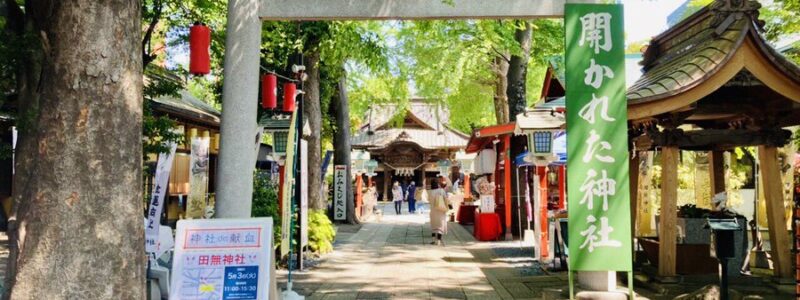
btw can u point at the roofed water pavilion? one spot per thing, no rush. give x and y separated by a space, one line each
712 83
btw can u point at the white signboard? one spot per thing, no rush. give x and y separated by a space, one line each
487 204
339 195
303 193
226 259
160 183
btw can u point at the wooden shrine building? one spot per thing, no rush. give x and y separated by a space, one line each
408 143
712 83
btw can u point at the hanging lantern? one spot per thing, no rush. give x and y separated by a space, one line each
371 165
289 91
199 44
444 167
269 91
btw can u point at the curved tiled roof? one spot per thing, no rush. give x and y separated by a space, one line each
695 49
427 139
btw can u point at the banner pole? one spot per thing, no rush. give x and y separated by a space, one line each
571 285
630 285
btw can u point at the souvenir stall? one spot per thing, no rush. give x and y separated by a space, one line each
492 179
544 163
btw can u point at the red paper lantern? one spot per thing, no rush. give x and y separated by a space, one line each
289 90
199 44
269 91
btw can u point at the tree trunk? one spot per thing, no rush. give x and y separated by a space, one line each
500 70
341 140
517 102
313 112
77 230
518 73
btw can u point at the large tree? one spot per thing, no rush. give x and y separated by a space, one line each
324 45
77 190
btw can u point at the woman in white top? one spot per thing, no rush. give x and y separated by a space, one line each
438 213
397 197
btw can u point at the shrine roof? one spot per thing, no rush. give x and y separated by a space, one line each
697 48
425 138
427 115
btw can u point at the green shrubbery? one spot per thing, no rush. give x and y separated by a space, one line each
265 204
320 232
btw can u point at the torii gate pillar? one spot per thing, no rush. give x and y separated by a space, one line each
240 136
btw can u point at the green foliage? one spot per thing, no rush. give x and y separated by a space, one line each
337 43
158 131
736 175
320 232
265 202
636 47
781 17
450 63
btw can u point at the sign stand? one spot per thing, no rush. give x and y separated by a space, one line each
571 279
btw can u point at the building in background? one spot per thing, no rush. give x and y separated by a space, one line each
408 149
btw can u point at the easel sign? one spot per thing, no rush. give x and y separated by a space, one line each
225 259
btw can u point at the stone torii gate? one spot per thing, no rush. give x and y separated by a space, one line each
239 132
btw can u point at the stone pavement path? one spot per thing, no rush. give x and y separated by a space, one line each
391 258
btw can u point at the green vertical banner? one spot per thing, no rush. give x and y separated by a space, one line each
597 139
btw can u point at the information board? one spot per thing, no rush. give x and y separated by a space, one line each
227 259
339 193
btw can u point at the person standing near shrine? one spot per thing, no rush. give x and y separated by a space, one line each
397 197
438 213
412 202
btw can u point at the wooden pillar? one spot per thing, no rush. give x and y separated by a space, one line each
669 211
359 183
387 180
424 181
773 192
716 169
633 174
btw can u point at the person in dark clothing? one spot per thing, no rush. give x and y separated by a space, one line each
412 202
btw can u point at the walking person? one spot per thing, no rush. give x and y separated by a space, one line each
438 213
412 202
397 197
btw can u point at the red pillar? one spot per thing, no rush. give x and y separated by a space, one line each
542 209
562 187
